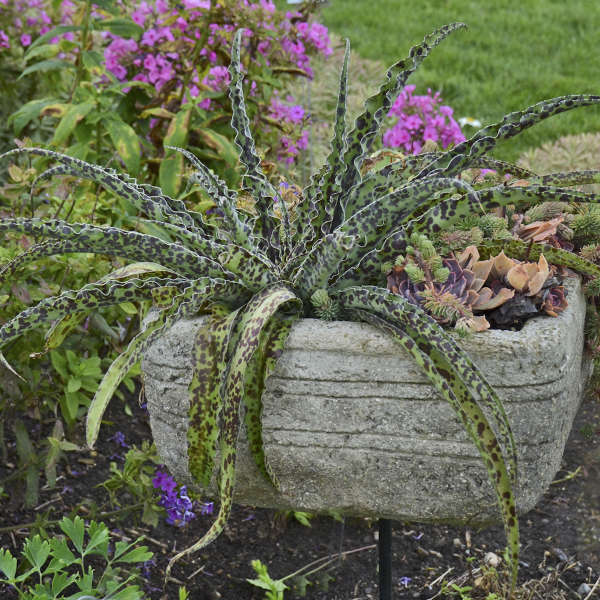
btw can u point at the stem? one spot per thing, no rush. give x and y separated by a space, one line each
328 559
84 41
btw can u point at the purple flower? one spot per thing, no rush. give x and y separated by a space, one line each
405 581
164 481
207 508
119 438
25 39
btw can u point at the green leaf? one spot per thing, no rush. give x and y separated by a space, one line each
93 61
171 167
75 530
61 552
98 542
122 27
257 313
27 112
60 582
128 308
74 114
44 50
55 32
8 564
73 384
137 555
36 551
126 143
52 64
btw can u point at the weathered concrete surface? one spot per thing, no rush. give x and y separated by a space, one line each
351 424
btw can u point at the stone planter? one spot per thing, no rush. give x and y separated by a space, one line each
351 424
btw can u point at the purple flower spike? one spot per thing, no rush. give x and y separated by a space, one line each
119 438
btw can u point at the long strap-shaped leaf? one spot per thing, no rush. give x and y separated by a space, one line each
272 340
254 179
372 223
256 316
254 269
210 363
112 241
196 294
314 213
567 179
369 269
156 207
396 175
459 158
455 209
367 125
440 372
438 341
93 295
224 198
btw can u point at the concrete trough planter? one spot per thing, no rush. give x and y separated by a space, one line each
351 424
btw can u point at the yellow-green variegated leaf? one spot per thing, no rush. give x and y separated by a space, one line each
255 316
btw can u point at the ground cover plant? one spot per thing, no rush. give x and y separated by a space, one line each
255 272
511 57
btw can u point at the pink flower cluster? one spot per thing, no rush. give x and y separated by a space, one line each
421 118
23 21
290 117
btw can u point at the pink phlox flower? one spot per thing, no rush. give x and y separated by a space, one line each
205 104
141 13
181 24
161 6
196 4
267 6
4 41
218 78
25 40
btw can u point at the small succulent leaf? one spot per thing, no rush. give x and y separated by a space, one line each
224 198
525 251
209 366
254 179
80 237
315 212
91 296
263 362
454 209
459 157
147 199
367 125
254 317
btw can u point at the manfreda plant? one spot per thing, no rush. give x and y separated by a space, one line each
254 274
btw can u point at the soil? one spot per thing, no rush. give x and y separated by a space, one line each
560 537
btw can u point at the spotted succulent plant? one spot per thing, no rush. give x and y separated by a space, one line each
256 272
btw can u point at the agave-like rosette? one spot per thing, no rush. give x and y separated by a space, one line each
260 270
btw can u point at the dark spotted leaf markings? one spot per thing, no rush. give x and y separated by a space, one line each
253 275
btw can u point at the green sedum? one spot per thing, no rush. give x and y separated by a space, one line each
254 274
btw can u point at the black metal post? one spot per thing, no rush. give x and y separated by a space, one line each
385 559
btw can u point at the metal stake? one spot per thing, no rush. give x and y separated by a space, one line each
384 545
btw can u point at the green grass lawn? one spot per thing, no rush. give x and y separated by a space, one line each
513 54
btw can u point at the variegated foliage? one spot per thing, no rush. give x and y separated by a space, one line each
254 274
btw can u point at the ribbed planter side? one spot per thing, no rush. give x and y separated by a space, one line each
351 424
